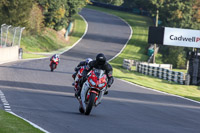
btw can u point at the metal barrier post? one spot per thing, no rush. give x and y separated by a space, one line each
1 34
20 36
7 34
14 35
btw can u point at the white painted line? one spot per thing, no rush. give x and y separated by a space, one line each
126 42
128 38
5 104
36 126
140 85
86 29
7 108
4 100
2 95
159 91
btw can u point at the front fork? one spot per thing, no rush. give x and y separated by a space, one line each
85 94
92 91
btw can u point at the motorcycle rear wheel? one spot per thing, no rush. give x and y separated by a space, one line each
90 103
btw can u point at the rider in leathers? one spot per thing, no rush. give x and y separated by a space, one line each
99 63
82 63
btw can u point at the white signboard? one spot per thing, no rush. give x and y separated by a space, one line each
182 37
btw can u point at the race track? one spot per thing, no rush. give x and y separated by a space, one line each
47 98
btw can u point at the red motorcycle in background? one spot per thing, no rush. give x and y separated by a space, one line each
92 90
54 62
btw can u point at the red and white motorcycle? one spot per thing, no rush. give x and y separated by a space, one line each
92 90
53 64
77 78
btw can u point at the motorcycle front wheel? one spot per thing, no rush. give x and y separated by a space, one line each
90 103
53 66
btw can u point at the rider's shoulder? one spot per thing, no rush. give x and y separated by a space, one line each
82 63
108 65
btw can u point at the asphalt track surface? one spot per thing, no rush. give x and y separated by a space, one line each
47 98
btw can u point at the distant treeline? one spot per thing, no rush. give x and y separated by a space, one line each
35 14
172 13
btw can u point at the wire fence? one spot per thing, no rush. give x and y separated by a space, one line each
10 36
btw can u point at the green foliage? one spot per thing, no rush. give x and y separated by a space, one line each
113 2
175 56
133 51
51 40
15 12
180 14
129 3
58 13
117 2
36 20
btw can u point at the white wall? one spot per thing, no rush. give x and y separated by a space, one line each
9 54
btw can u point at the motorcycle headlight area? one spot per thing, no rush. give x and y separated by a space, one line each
101 85
92 82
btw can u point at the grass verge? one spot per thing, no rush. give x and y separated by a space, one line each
136 49
12 124
43 43
50 41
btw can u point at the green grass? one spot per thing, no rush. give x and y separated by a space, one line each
136 49
29 56
12 124
49 42
43 43
180 70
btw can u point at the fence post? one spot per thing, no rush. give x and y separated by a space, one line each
20 35
7 34
187 79
1 34
14 35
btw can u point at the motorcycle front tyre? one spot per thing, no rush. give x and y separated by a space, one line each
90 103
53 66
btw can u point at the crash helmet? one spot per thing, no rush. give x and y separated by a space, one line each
100 59
56 55
88 60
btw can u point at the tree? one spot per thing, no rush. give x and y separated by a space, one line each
36 19
197 14
112 2
175 56
117 2
58 13
175 13
129 3
179 14
15 12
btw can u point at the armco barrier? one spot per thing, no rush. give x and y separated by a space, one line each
127 64
9 54
162 71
